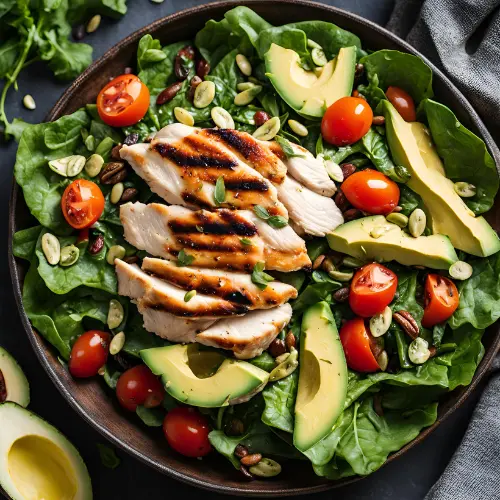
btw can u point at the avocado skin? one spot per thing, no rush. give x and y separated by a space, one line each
447 212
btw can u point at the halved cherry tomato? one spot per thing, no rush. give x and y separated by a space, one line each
372 289
89 353
82 203
139 386
403 102
441 300
123 101
346 121
186 431
371 191
356 342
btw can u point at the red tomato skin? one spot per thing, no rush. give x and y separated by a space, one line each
439 310
138 386
366 302
371 191
356 343
403 102
186 431
346 121
89 353
133 110
73 195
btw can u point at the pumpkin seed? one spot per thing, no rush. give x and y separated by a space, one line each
286 367
247 96
51 248
417 222
298 128
93 24
61 166
418 351
204 94
253 80
189 295
117 343
94 165
115 252
221 117
29 102
282 358
383 360
380 323
460 270
115 314
245 86
69 255
318 57
269 130
90 142
352 262
465 190
313 45
244 64
184 116
396 218
341 276
265 468
116 193
75 165
333 169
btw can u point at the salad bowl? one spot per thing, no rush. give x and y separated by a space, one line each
90 398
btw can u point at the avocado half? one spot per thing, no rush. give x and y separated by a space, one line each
14 385
322 378
37 461
202 377
308 94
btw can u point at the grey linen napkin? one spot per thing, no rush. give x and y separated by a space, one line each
462 37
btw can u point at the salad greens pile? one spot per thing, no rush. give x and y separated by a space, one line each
384 410
39 30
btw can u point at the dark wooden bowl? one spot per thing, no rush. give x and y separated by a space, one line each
91 399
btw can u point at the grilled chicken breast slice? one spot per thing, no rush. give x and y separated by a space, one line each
306 169
230 286
224 239
154 293
316 214
249 335
183 164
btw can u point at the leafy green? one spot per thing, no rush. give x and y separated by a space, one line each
265 361
226 445
464 154
152 417
408 200
184 259
24 243
108 456
259 277
315 293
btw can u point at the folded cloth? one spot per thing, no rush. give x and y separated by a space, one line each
462 37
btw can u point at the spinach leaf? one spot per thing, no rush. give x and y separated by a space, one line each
108 456
265 362
152 417
408 200
284 36
215 40
464 154
226 445
406 298
246 23
315 293
401 70
24 243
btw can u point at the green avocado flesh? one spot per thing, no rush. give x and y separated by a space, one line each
322 379
14 385
202 377
448 213
305 92
354 238
37 461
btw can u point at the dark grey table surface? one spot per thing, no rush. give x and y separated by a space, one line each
409 478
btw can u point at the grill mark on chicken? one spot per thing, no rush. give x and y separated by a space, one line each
199 313
246 185
188 159
221 245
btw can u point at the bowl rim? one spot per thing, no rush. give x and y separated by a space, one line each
37 342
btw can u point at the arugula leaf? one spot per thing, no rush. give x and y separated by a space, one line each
184 259
259 277
220 191
108 456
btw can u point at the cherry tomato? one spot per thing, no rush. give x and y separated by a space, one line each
123 101
441 300
186 431
371 191
346 121
372 289
357 346
403 102
139 386
82 203
89 353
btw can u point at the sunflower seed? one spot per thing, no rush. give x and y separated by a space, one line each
184 116
204 94
298 128
115 314
460 270
69 255
269 130
417 222
244 64
51 248
222 118
29 102
117 343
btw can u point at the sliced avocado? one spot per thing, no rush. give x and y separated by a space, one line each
391 243
14 385
37 461
427 149
322 378
203 377
448 213
305 92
